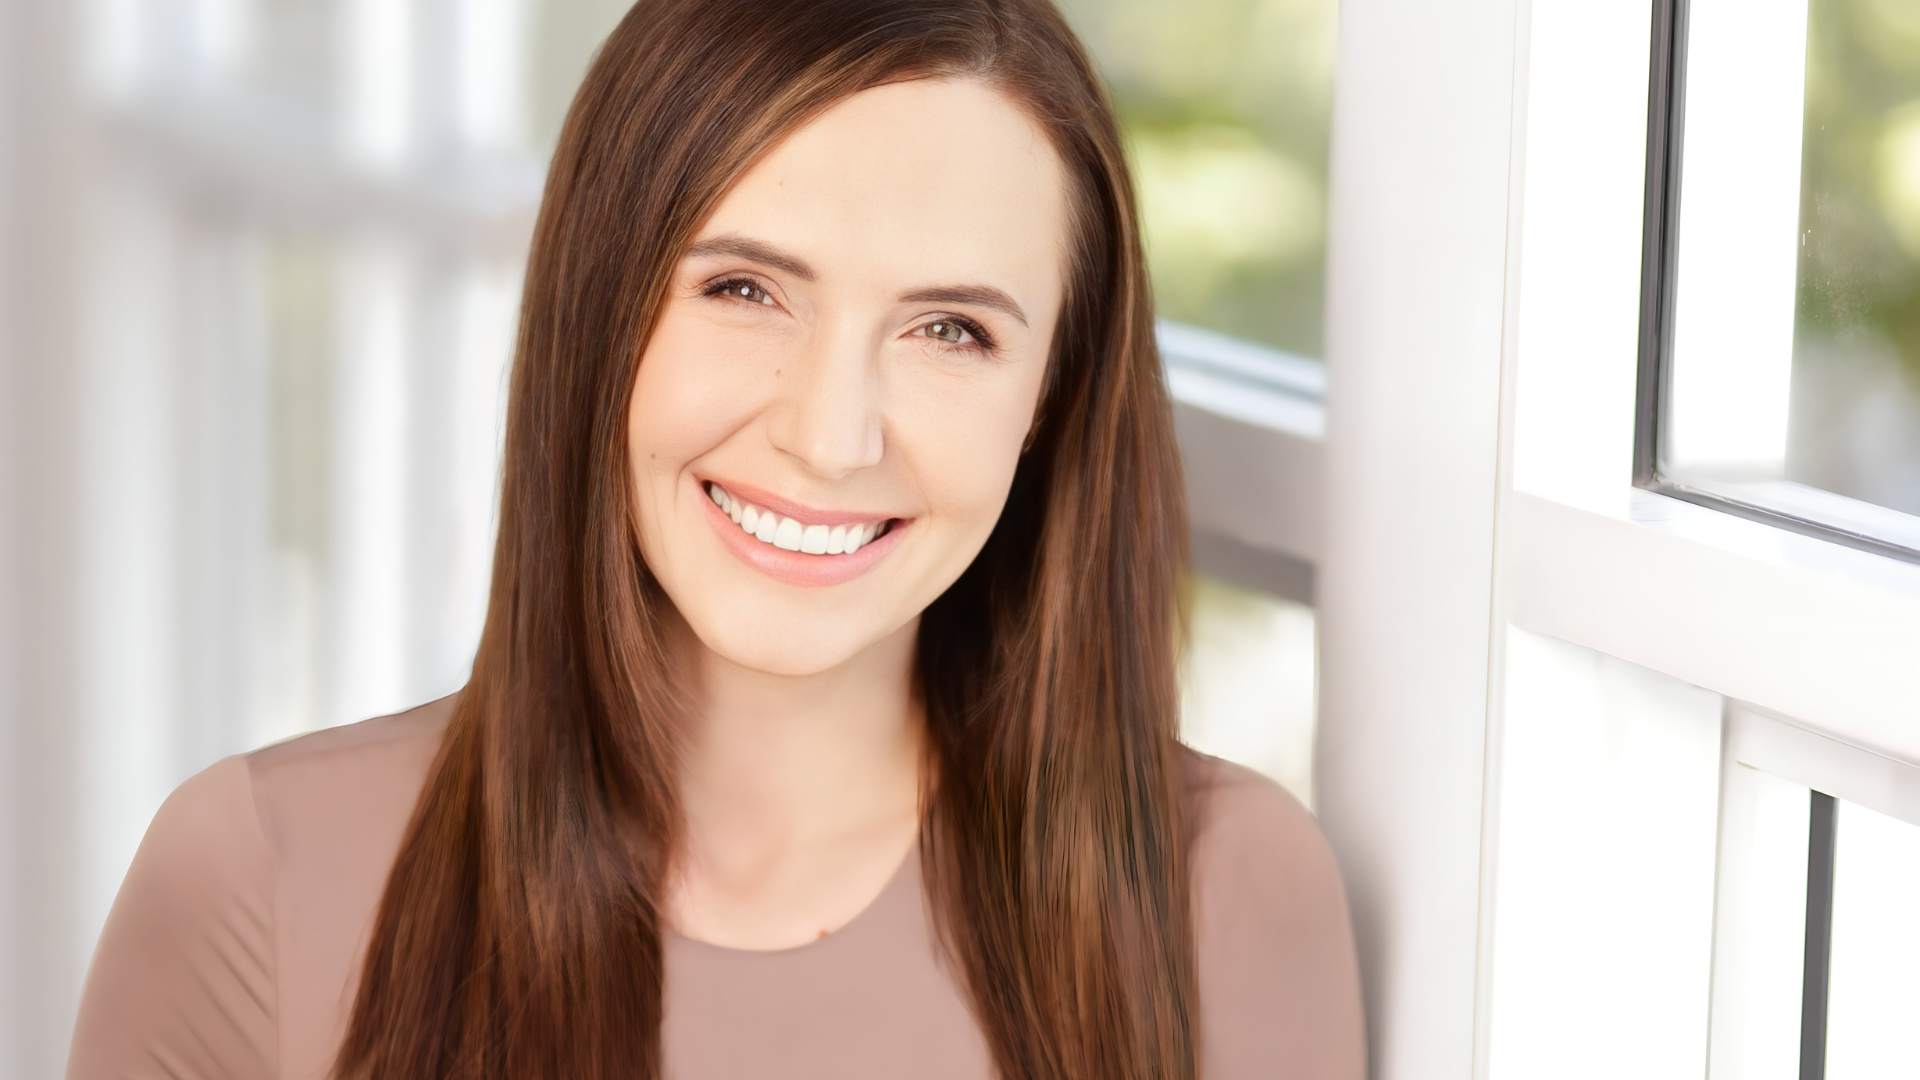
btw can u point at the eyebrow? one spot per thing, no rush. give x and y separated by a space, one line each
746 247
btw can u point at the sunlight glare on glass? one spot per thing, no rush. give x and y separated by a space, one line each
1738 245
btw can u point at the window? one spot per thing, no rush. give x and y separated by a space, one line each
1781 383
1819 865
1873 942
1785 355
1574 693
1247 687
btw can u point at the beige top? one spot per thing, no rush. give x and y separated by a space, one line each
233 946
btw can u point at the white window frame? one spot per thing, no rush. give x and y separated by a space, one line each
1250 421
1484 298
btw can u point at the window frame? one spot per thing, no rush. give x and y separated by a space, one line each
1251 422
1535 517
1779 503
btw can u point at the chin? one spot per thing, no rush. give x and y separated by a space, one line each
774 650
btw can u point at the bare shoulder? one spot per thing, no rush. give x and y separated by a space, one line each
1279 971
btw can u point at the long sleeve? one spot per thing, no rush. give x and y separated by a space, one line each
1279 970
182 982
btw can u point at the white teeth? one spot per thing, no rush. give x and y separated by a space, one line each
790 535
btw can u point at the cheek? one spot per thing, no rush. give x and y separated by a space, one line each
965 445
688 397
688 394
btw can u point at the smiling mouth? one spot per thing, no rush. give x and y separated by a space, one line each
780 531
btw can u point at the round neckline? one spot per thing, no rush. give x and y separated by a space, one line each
896 881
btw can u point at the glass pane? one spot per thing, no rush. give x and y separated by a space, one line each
1226 106
1872 995
1795 374
1247 684
1855 427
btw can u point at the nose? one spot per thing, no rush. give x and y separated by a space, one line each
828 414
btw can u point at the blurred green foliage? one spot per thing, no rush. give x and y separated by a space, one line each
1226 108
1859 275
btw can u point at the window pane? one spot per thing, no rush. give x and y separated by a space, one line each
1856 382
1794 377
1872 995
1226 106
1247 684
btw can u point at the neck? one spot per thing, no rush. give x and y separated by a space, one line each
785 762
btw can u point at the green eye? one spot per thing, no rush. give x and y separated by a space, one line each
982 341
743 290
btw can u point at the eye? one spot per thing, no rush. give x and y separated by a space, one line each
744 290
982 341
741 290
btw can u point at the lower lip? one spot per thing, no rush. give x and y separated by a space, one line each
796 567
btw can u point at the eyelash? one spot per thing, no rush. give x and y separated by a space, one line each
985 343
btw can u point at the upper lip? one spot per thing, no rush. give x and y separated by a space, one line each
800 512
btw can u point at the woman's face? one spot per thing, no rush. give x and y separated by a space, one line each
858 333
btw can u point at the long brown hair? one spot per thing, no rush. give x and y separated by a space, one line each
519 932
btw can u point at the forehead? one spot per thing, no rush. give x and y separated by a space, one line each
912 182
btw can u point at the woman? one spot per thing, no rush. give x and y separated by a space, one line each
824 718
